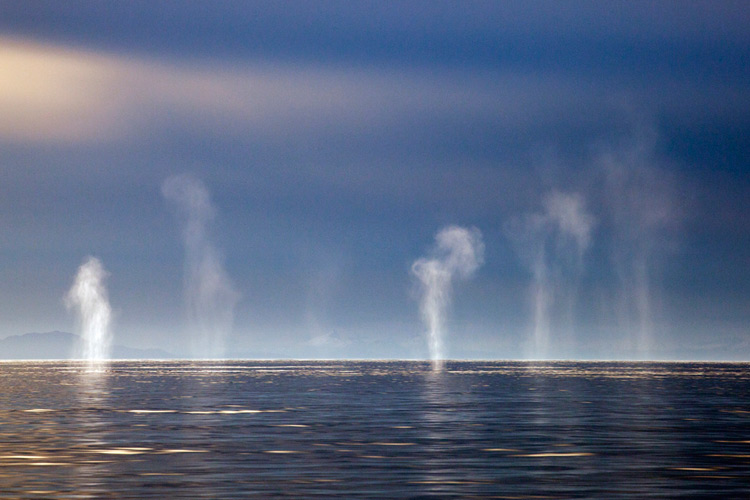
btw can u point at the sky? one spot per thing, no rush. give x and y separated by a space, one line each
265 175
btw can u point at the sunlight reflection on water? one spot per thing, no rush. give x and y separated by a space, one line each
374 430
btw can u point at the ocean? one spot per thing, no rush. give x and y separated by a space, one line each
374 430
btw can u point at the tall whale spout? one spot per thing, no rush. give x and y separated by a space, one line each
88 296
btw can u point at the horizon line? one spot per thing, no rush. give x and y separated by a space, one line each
414 360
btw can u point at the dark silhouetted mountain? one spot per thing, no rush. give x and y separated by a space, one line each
64 345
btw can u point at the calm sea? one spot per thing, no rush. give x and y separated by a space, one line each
379 430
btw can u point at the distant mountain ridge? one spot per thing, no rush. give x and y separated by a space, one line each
62 345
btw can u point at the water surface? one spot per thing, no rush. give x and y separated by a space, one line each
250 429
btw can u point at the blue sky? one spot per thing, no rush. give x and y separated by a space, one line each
335 139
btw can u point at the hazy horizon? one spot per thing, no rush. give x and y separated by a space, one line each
249 356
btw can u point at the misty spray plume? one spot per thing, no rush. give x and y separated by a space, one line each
458 252
209 292
640 200
552 245
88 296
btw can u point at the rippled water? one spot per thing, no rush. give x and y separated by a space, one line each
375 430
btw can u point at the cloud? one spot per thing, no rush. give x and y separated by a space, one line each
52 94
67 95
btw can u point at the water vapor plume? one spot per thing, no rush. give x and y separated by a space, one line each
458 252
209 293
641 203
88 296
552 245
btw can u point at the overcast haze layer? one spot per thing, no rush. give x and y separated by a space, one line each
601 148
